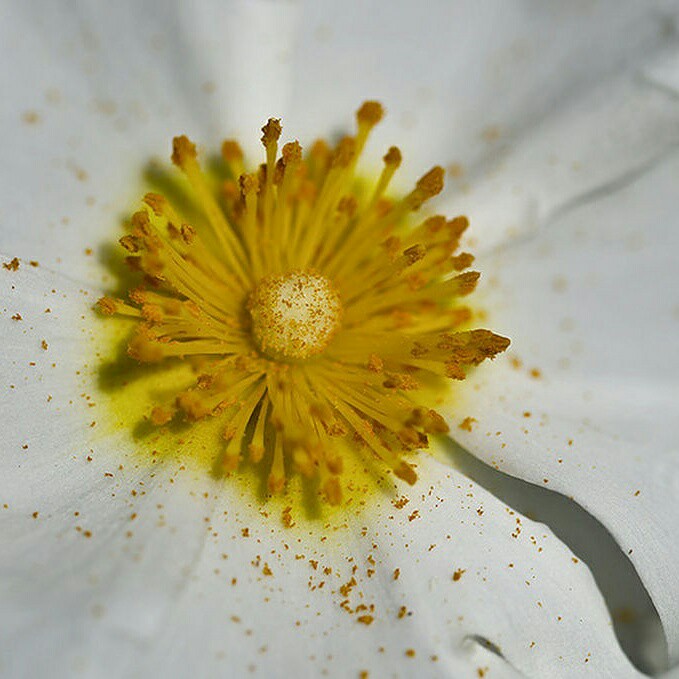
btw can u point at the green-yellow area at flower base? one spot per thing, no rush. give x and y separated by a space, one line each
289 327
129 392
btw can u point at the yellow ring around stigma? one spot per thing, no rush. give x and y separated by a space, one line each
311 320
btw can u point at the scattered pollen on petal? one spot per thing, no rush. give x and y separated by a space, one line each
311 323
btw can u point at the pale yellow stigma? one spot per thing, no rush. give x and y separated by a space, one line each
294 316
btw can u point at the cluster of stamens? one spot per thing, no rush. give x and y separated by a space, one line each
313 314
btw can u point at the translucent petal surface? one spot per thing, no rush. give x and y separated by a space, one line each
98 90
462 80
590 302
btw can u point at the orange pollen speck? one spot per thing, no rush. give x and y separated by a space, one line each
294 316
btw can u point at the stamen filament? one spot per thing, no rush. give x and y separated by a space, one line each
311 312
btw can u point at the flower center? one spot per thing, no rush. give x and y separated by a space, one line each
297 376
294 316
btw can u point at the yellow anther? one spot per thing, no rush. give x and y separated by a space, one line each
231 151
405 472
249 184
370 113
233 156
271 132
427 187
292 153
144 348
183 150
414 254
344 153
107 306
393 157
156 202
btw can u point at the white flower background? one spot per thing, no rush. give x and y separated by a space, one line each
564 120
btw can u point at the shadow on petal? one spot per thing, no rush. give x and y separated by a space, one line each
635 618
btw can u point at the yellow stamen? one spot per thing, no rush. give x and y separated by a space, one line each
184 156
313 314
233 157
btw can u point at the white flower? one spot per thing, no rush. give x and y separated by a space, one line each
562 121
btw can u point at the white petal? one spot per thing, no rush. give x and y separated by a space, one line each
116 568
428 541
596 140
591 302
97 91
451 73
56 573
